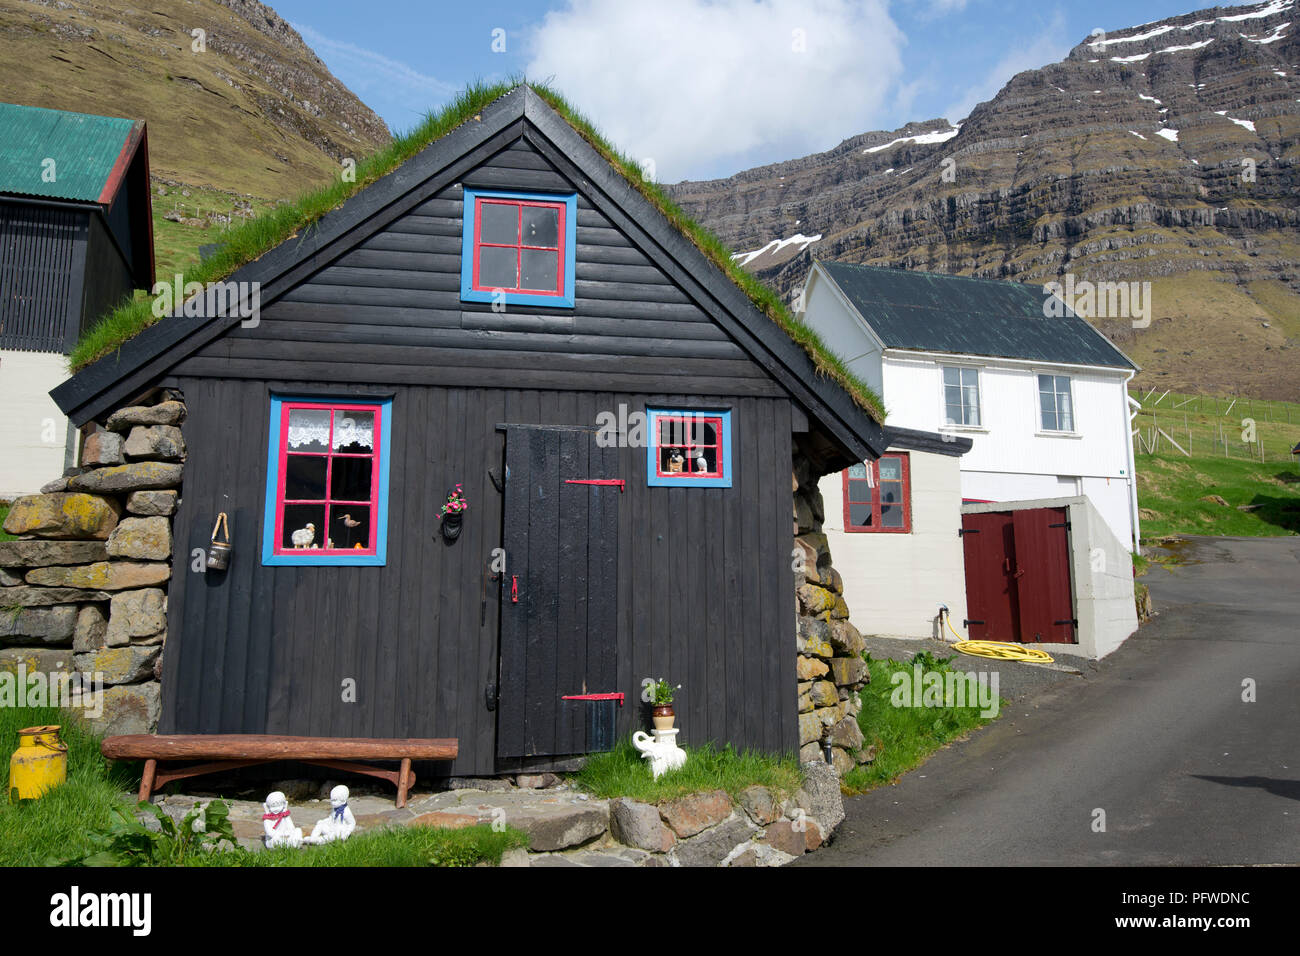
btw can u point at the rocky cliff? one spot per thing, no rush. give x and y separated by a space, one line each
1164 153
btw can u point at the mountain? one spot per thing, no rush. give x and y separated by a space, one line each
1164 153
252 117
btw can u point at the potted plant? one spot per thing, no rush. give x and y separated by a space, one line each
453 513
661 693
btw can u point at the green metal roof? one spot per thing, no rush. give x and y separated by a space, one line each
932 312
89 153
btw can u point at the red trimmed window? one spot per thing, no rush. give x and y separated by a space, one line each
327 495
689 446
519 246
878 495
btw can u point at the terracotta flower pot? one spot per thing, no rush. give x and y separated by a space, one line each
663 717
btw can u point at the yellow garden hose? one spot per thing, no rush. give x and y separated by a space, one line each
1003 651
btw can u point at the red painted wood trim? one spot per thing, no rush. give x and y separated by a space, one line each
618 697
849 527
122 164
558 249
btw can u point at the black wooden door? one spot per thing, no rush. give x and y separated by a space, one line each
559 595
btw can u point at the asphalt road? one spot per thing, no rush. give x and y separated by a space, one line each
1156 735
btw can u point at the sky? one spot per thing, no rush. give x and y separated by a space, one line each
698 89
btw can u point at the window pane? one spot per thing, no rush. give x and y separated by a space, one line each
540 270
970 377
891 469
1045 383
860 515
498 223
891 516
350 479
354 431
703 460
672 461
859 491
952 376
1047 402
541 226
498 268
1065 413
858 471
350 526
952 395
309 429
304 478
303 527
672 431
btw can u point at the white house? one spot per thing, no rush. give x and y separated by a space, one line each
1044 399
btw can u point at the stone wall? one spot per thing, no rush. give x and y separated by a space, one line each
830 664
83 592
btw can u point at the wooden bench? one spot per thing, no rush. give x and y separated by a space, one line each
228 751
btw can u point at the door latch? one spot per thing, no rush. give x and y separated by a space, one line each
514 589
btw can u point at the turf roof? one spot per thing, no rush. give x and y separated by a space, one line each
255 237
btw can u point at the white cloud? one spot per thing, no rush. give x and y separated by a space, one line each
689 83
368 73
1050 46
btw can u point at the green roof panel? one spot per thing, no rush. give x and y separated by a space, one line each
83 149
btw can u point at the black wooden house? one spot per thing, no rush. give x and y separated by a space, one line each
471 320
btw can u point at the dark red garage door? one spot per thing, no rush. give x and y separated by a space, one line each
1018 576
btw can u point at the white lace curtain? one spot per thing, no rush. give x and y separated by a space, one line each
311 426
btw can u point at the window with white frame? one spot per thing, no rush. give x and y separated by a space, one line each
1055 403
961 395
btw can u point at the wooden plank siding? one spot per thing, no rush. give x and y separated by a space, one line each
389 310
705 593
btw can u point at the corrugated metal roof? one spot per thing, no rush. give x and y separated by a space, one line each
941 313
85 150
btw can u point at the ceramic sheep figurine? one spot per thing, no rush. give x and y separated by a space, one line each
277 825
303 537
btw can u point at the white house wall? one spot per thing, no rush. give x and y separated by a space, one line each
1012 459
843 332
894 583
33 432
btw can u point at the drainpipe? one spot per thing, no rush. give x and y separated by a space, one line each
1130 417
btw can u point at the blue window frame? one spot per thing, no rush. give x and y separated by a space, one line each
688 448
327 482
519 246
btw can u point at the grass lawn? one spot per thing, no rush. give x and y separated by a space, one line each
1174 496
4 513
55 827
905 737
623 773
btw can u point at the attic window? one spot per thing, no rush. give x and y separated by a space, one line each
518 248
327 483
689 448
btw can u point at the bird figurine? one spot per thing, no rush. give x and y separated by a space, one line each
303 537
349 522
701 463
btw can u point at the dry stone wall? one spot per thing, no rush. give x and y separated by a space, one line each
83 591
830 665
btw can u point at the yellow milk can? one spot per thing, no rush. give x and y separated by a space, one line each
39 764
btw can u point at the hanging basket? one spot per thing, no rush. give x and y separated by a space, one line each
219 550
451 524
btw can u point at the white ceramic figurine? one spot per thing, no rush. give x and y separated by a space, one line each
277 825
340 823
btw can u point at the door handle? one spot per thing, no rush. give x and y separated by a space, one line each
1019 573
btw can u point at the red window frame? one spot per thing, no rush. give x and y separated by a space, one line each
689 420
520 246
875 528
328 502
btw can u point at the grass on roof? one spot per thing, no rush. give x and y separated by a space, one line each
258 236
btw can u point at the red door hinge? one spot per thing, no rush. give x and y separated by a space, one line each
596 481
617 697
514 589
